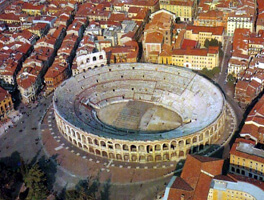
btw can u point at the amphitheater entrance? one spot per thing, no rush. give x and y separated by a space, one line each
139 116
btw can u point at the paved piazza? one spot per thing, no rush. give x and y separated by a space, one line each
141 113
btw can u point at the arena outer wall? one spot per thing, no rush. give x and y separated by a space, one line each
141 150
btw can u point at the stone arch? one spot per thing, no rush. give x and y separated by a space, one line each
102 143
83 139
166 156
85 147
74 141
211 130
194 139
158 157
94 58
73 133
125 147
188 141
207 134
117 146
149 148
173 145
78 135
90 141
181 143
141 148
104 154
118 156
111 156
173 154
69 130
157 147
142 158
91 150
126 157
149 158
201 137
165 147
70 139
97 152
134 157
133 148
79 144
181 154
96 142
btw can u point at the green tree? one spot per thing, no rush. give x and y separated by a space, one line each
216 71
35 180
213 42
206 43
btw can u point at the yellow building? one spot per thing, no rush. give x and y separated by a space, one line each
195 59
185 9
33 10
246 159
6 104
232 187
201 33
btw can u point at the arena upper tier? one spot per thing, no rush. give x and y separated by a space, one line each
140 112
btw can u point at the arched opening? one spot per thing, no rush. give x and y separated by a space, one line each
133 148
134 158
158 157
104 154
201 137
78 136
79 145
173 145
173 154
181 154
126 157
91 150
194 140
165 147
125 147
238 171
149 158
73 133
90 141
74 141
96 142
117 147
85 147
103 144
207 134
157 147
101 57
87 60
97 152
83 139
188 141
149 149
94 58
142 158
141 148
111 155
118 157
181 143
166 156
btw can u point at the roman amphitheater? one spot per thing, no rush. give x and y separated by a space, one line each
140 112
